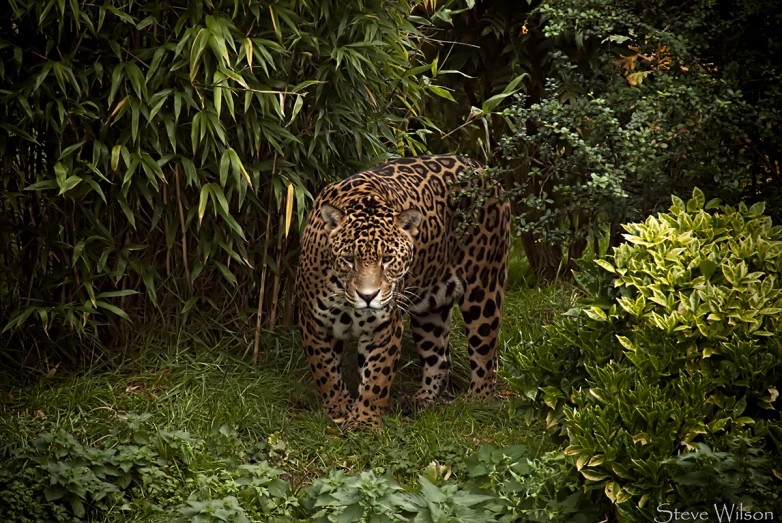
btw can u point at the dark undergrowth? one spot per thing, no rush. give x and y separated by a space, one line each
189 415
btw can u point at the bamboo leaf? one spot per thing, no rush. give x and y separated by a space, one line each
225 163
117 294
442 93
202 203
297 105
70 149
39 186
170 131
196 50
96 187
115 152
226 272
247 46
116 79
156 59
189 305
112 308
149 284
219 196
127 210
218 91
288 208
77 250
69 183
119 106
17 131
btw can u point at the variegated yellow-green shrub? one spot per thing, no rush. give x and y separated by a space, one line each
665 378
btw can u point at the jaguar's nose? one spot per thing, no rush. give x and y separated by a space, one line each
368 297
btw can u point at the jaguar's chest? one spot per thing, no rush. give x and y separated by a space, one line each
350 324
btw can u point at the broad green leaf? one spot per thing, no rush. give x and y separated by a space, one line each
707 268
218 195
757 209
115 153
225 163
116 80
202 202
70 149
45 184
77 250
112 308
127 210
70 183
697 202
439 91
189 305
156 59
17 131
226 272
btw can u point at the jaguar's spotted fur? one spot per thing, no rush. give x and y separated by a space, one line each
384 242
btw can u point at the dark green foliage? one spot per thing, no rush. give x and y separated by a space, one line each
138 468
665 376
625 103
360 498
145 472
504 484
529 488
481 49
230 495
155 152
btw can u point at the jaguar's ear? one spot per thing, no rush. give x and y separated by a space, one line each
409 220
332 216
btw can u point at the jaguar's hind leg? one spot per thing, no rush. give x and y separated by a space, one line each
431 331
485 271
482 312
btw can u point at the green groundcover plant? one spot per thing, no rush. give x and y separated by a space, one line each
143 472
665 377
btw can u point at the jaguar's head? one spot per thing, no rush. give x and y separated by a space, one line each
370 252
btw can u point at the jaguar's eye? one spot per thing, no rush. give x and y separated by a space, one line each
387 259
349 259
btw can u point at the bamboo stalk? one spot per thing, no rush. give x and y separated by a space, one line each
281 242
263 271
276 285
184 232
165 224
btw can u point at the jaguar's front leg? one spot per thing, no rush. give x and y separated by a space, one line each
324 355
378 359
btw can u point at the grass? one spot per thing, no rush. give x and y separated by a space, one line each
196 387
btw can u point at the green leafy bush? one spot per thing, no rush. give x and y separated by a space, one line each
64 479
226 509
359 498
141 470
528 488
255 489
665 376
151 473
501 484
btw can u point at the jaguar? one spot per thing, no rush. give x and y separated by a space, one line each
385 243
